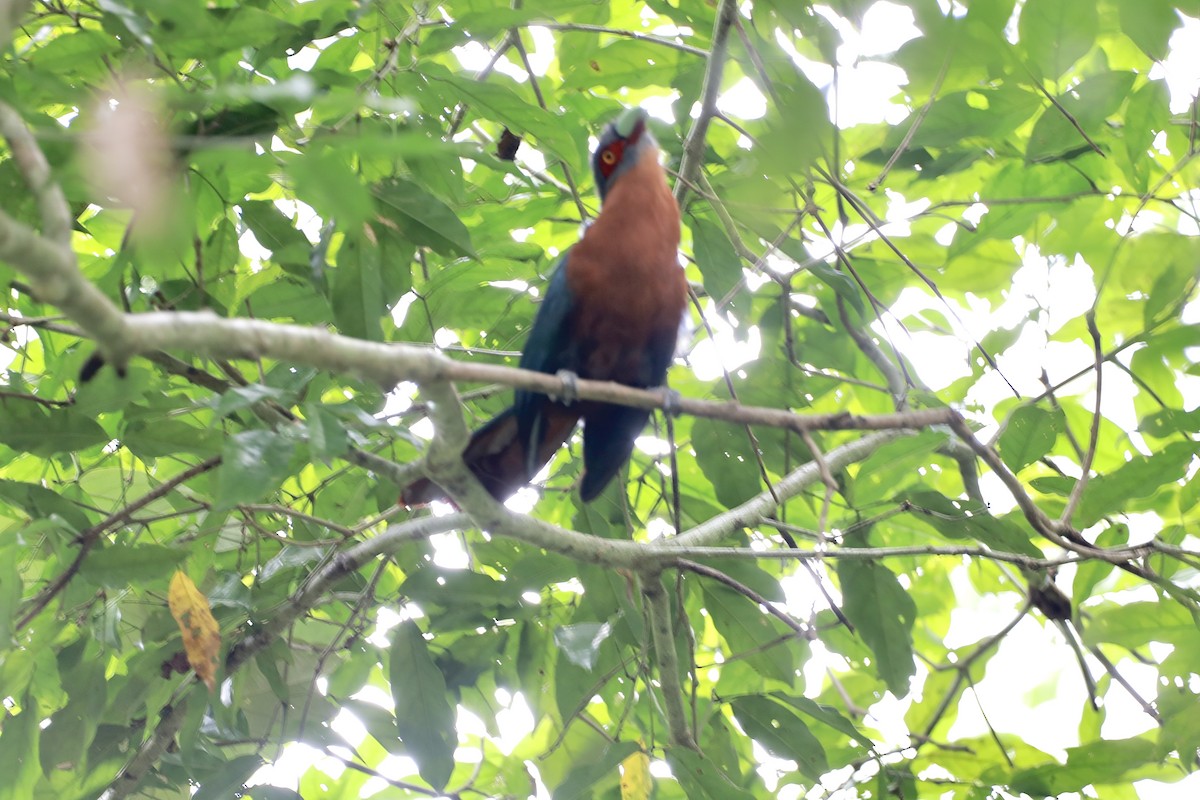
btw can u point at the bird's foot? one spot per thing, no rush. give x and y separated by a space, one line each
672 404
570 386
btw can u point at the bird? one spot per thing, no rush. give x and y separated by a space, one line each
612 311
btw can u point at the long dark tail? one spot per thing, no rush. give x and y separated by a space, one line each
497 457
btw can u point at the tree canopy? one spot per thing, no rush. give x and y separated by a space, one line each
921 527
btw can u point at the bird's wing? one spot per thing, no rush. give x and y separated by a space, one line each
549 348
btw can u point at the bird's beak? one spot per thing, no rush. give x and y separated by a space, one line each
631 124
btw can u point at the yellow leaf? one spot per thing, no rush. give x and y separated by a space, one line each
201 636
635 777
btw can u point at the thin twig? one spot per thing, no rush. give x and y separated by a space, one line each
918 118
1094 437
87 539
743 589
642 37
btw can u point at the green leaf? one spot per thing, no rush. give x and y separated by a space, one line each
1089 104
1056 33
423 218
580 780
262 792
1090 573
118 566
726 458
1029 434
1149 23
230 779
277 233
505 106
327 437
752 634
719 263
978 112
41 503
782 733
45 432
624 64
357 291
801 107
328 183
1148 113
10 595
240 398
20 752
827 715
1138 624
1096 763
167 437
252 463
841 283
424 717
700 778
1141 476
883 613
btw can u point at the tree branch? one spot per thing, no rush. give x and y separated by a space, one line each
759 508
56 214
1085 468
744 590
87 539
311 593
659 605
693 146
643 37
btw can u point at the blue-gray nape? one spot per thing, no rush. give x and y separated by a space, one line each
631 130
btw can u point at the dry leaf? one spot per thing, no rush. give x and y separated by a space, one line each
201 636
635 777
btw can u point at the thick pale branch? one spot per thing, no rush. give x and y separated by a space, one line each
56 213
878 553
315 588
170 722
758 508
206 334
659 604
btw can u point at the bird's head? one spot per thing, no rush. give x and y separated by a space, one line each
624 142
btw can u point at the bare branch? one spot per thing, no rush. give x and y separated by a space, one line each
169 724
309 595
659 604
746 591
693 146
87 539
56 213
1094 437
642 37
757 509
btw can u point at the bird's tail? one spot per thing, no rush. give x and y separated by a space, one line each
497 456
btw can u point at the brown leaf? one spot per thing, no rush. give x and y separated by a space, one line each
201 636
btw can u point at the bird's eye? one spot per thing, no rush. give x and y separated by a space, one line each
608 157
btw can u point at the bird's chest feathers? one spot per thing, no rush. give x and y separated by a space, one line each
627 287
